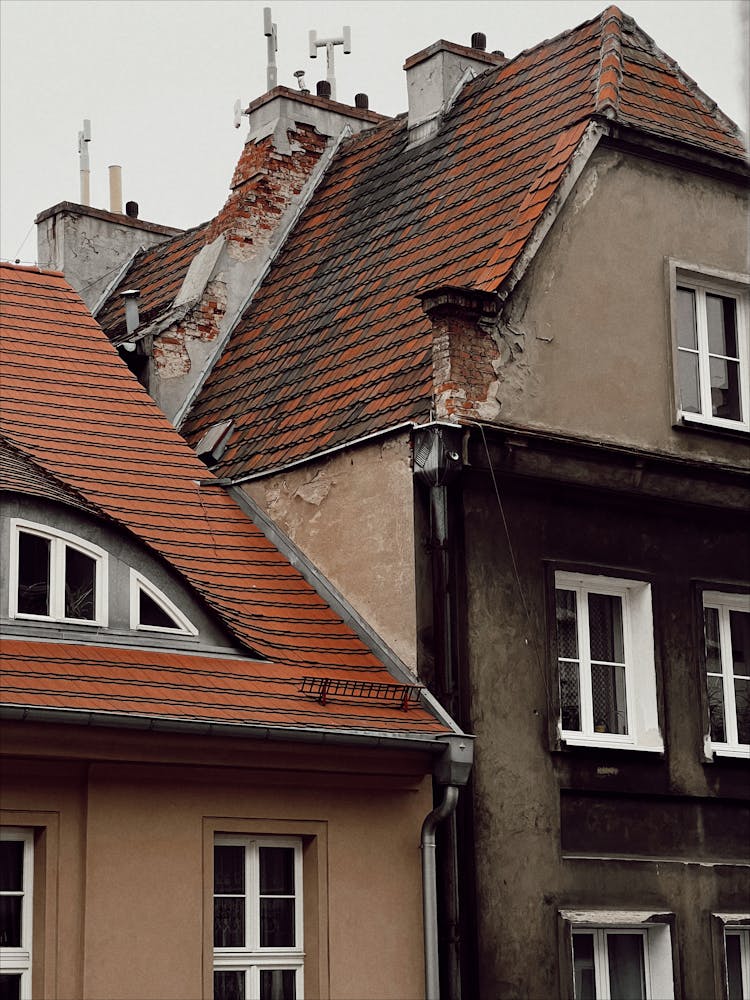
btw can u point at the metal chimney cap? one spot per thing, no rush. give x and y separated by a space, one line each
479 41
361 101
323 88
130 293
131 209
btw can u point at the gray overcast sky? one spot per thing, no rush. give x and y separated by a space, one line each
158 79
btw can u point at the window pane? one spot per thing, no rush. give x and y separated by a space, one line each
583 966
11 865
722 329
276 922
687 333
734 967
713 640
608 699
229 870
276 871
716 709
278 984
567 629
229 921
33 574
605 628
570 696
739 626
742 705
10 921
690 394
151 613
626 976
10 986
725 389
80 584
229 985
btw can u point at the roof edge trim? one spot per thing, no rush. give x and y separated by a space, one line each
432 743
119 275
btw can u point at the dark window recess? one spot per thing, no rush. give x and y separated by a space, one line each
277 984
734 967
10 921
11 865
80 585
10 986
33 574
153 614
229 986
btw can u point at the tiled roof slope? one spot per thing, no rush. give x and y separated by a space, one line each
185 687
20 475
69 403
158 273
336 346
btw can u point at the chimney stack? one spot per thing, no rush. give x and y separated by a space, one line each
115 189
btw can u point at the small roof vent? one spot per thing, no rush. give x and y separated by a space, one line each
214 442
323 88
479 41
361 101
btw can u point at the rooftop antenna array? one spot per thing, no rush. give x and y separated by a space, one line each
84 138
271 33
328 44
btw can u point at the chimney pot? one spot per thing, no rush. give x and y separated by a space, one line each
361 101
131 209
115 189
479 41
323 88
132 317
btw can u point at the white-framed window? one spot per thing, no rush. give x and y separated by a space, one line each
152 611
56 576
257 918
16 913
605 662
620 954
726 630
712 334
737 948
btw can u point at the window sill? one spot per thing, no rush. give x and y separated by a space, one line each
573 740
737 753
694 422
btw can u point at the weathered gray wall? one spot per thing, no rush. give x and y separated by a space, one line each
587 334
352 515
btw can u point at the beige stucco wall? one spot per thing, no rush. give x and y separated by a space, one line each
128 884
352 515
588 327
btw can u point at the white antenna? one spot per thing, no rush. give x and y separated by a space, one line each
84 138
269 30
328 44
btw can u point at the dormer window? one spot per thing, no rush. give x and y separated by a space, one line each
56 576
152 611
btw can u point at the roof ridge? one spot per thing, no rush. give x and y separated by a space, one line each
708 103
610 69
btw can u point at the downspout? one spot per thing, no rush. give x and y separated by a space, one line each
451 771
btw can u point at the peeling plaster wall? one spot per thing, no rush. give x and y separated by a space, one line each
352 515
586 334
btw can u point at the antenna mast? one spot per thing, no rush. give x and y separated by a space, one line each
270 31
328 44
84 138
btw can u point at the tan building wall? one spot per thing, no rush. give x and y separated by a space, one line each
123 857
352 514
588 336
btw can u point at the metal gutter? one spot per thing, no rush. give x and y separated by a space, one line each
338 602
431 743
274 248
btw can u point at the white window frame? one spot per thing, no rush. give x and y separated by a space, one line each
640 668
724 603
657 947
743 933
253 958
138 583
734 286
17 961
59 541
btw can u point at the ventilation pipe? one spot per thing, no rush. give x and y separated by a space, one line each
132 316
115 189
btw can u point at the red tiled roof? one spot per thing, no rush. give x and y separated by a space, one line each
70 404
335 345
158 274
188 687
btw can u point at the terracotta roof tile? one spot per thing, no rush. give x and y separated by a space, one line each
335 345
87 422
191 688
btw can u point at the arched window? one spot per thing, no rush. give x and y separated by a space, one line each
152 611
